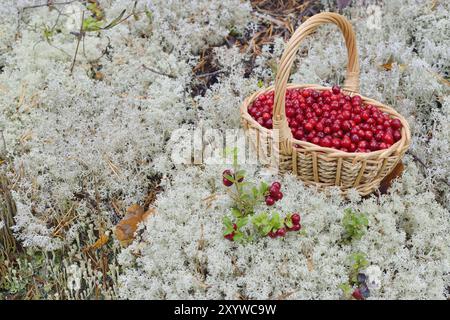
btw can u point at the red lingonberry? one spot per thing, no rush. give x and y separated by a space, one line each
325 142
225 176
373 145
272 234
388 138
346 114
276 184
315 140
229 236
319 126
295 218
290 112
355 138
281 232
352 147
357 294
336 143
279 196
336 89
346 126
397 135
308 127
396 123
363 144
365 115
270 201
298 134
346 142
266 116
336 126
368 135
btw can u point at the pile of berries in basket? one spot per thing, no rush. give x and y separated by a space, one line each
331 119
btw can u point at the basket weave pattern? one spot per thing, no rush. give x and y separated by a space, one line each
313 164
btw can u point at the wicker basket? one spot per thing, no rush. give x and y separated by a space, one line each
313 164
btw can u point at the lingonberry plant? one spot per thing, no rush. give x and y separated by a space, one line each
246 197
356 287
273 225
331 119
355 225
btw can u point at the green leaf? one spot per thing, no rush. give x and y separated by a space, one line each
238 237
228 231
91 24
255 192
260 83
116 21
263 188
288 223
346 289
242 222
96 11
227 222
149 14
275 221
240 174
236 212
354 224
245 184
48 34
266 229
229 177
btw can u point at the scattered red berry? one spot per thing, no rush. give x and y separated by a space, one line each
295 218
270 201
272 234
225 180
276 184
281 232
230 236
357 294
336 89
274 193
331 119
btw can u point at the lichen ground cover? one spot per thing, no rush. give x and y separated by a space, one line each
87 135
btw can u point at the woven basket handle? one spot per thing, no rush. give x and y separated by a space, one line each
351 82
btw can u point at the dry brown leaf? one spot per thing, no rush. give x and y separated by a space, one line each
125 229
310 264
98 76
285 295
387 181
440 78
101 241
434 4
389 63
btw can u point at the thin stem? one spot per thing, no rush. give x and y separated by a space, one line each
78 44
49 4
158 72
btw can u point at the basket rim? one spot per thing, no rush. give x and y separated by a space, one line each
403 143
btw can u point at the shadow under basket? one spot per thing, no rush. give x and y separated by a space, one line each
315 165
